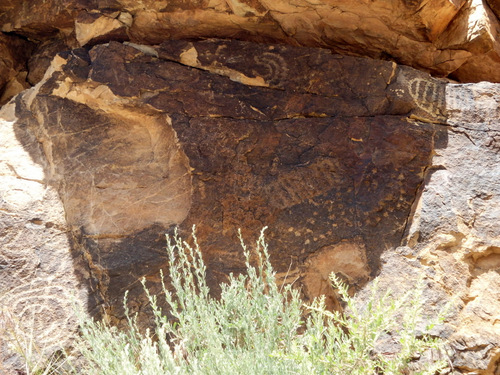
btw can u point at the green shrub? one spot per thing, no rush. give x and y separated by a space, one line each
256 327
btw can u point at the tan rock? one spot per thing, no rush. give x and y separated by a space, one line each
454 38
346 259
98 27
454 233
13 54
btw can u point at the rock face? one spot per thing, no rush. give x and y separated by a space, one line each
454 234
455 38
135 123
457 221
356 165
14 53
38 277
318 146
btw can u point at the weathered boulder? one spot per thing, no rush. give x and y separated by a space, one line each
298 139
454 232
455 38
319 147
345 158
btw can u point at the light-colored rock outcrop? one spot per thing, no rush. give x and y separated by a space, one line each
454 233
38 277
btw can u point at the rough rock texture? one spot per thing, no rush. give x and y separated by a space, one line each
328 158
358 166
454 233
38 277
318 146
345 158
456 38
458 218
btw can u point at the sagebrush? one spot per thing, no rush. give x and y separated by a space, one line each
255 327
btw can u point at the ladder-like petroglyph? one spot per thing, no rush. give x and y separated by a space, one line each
428 95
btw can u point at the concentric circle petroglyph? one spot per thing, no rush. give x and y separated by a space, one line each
20 267
42 311
271 66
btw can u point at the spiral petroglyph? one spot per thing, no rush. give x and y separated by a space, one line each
42 310
272 67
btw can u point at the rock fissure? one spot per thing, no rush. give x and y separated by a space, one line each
465 133
24 178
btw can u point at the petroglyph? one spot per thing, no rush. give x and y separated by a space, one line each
458 99
427 95
271 66
15 265
298 186
463 100
37 275
42 310
472 110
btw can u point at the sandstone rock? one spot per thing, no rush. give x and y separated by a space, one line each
136 142
455 38
345 158
40 60
454 231
13 54
92 28
494 6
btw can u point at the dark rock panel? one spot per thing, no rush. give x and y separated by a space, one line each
328 151
346 159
